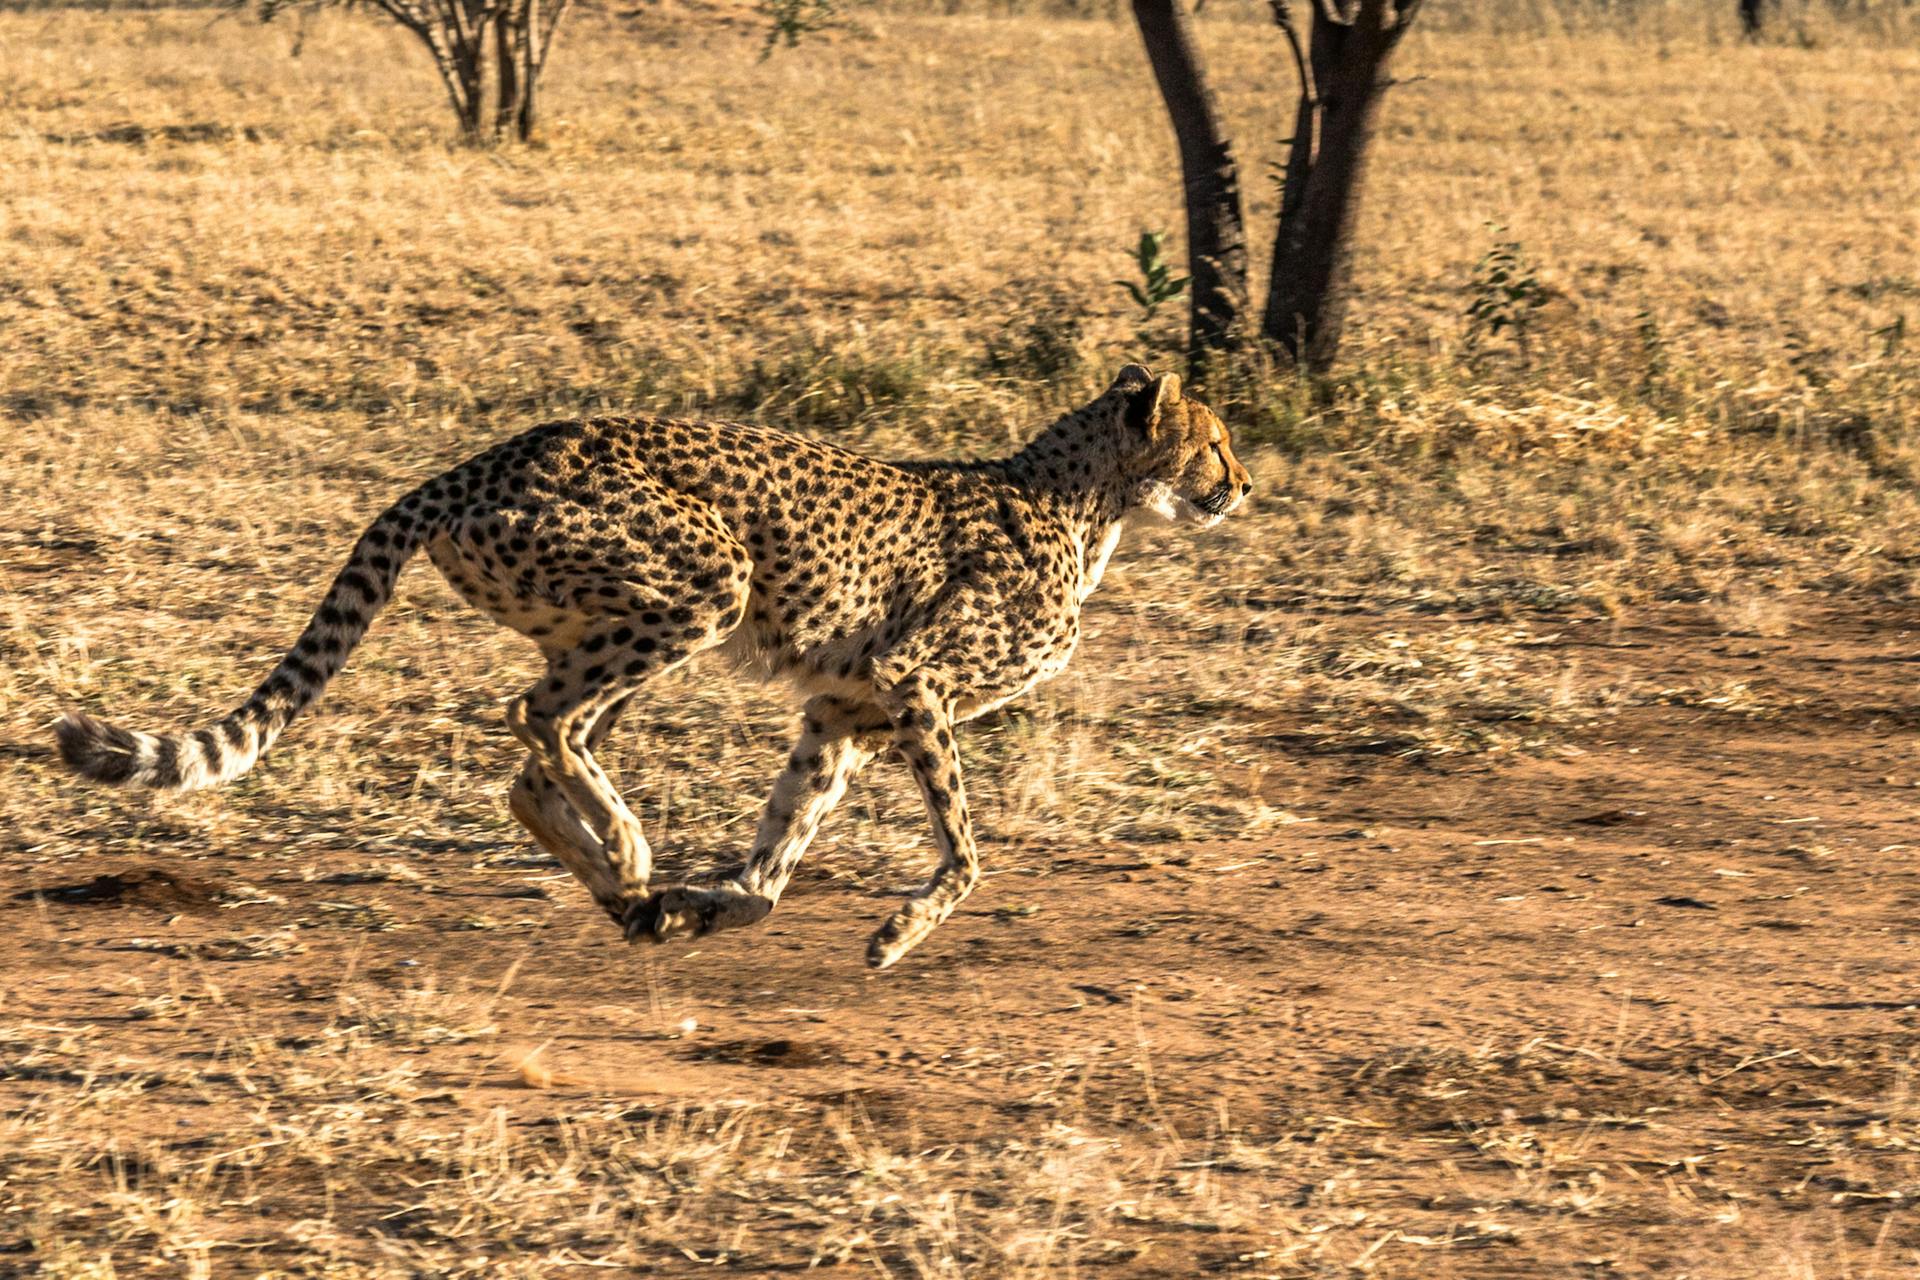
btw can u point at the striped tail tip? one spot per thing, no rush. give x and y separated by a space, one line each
101 751
127 758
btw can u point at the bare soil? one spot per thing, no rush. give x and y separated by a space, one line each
1643 1005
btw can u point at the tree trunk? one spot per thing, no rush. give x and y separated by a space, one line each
531 57
1306 293
471 69
1750 16
456 76
459 35
1216 229
507 35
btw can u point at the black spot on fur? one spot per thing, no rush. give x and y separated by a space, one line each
210 748
355 581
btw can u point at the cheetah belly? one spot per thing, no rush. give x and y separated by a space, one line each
750 652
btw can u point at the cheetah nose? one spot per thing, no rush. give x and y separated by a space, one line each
1246 488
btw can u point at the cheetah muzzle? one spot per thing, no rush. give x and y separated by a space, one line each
902 599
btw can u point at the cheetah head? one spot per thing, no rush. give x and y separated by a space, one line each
1177 453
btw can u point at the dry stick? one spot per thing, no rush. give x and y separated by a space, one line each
1744 1063
1620 1028
1145 1066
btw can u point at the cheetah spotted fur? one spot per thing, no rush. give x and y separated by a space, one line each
902 598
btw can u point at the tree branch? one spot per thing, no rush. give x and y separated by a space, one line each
1283 18
556 10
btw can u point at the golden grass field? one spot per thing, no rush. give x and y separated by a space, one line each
1487 856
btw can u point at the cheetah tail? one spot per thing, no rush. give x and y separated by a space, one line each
224 750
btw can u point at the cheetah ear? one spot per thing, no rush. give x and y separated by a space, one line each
1147 405
1131 378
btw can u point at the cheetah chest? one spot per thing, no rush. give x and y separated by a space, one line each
1054 657
1096 568
1093 567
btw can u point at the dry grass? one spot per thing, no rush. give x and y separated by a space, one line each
232 335
342 1160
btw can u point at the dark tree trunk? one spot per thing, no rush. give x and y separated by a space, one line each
526 32
1347 58
506 58
470 67
1216 229
1750 16
532 54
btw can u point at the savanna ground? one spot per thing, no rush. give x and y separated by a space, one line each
1493 854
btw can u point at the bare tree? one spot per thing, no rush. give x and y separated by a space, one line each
457 34
526 32
1342 75
1342 78
1750 16
1216 228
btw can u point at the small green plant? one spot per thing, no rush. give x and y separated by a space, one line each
790 20
1505 294
1157 284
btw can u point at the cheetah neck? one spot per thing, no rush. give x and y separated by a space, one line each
1074 470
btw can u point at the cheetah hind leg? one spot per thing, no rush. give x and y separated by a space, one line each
537 802
838 739
555 718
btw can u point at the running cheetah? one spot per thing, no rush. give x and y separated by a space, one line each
902 598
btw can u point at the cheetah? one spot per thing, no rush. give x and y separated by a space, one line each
901 598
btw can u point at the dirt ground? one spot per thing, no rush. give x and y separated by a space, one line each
1644 1005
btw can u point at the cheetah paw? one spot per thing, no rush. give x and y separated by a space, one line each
689 912
906 930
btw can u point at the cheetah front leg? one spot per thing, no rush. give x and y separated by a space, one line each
838 738
922 710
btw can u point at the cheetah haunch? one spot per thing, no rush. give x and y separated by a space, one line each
903 598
